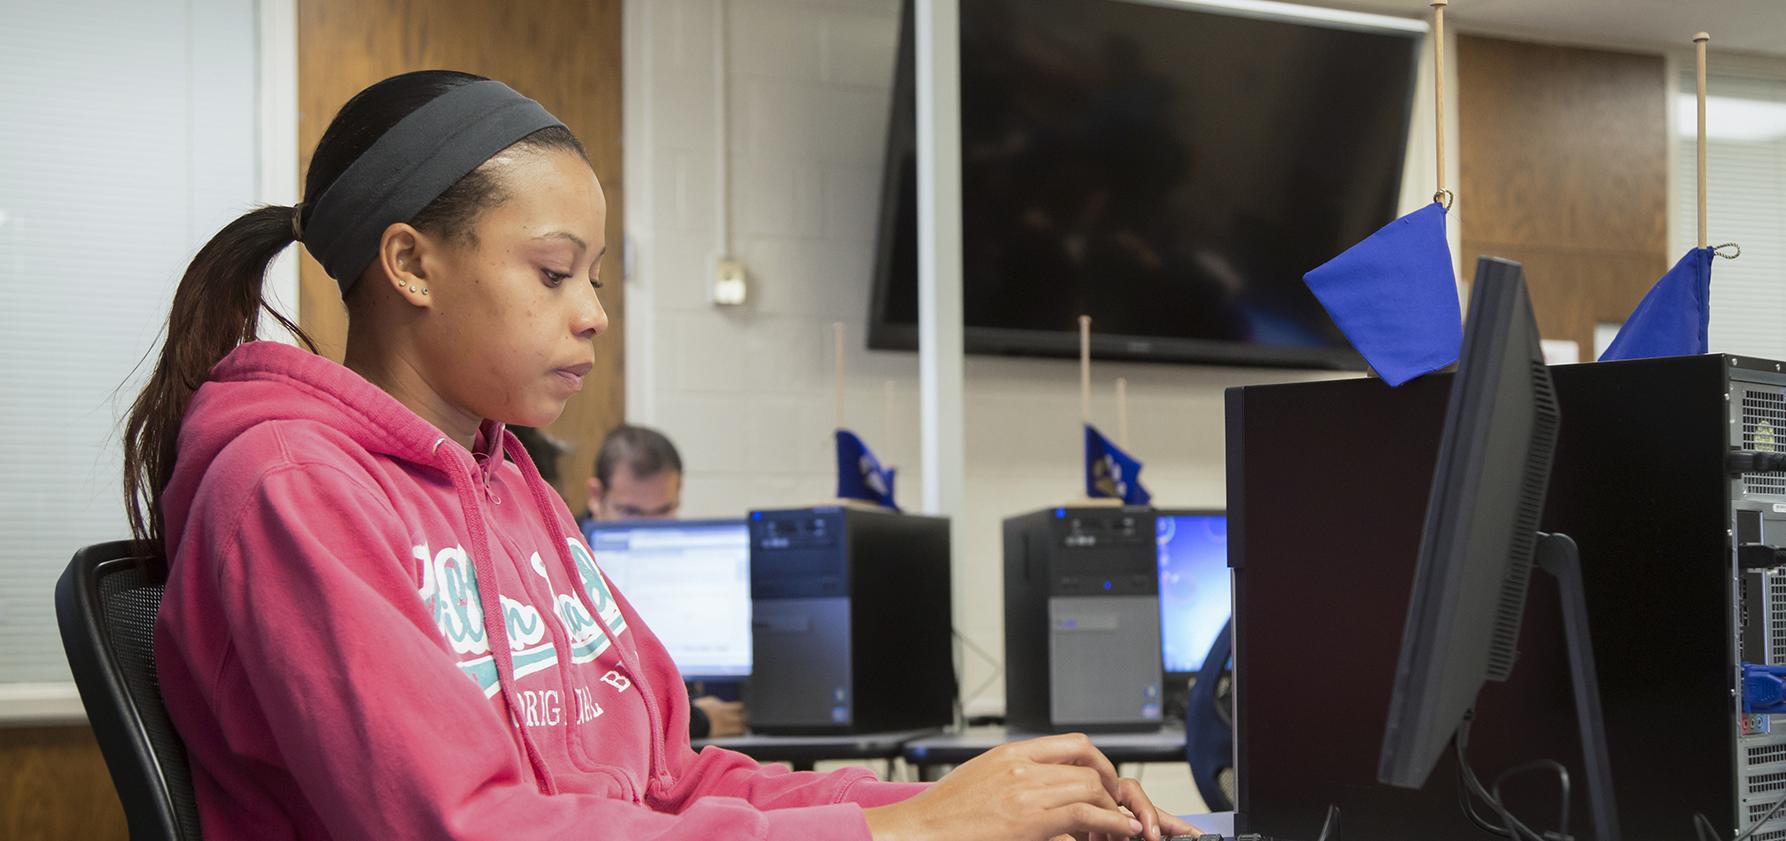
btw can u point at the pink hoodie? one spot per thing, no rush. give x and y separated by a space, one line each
340 574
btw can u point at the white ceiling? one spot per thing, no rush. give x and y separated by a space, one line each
1748 26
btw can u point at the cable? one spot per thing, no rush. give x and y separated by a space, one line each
1468 807
1511 827
1746 461
1535 765
998 667
1330 828
1703 829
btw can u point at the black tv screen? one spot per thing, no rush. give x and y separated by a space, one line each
1167 169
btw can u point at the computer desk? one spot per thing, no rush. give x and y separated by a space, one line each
803 751
931 753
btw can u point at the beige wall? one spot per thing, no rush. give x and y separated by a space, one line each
746 392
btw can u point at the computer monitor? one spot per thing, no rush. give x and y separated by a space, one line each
690 581
1194 601
1479 543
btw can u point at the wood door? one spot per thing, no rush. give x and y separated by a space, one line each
1564 167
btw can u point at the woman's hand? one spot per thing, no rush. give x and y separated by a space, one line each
1025 791
1155 824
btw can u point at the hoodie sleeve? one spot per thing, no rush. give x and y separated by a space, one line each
716 772
375 725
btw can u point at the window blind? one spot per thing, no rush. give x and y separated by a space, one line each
130 137
1745 203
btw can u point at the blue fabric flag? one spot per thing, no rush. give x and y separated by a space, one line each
1394 295
1110 472
1672 319
859 474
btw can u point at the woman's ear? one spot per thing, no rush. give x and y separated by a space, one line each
400 253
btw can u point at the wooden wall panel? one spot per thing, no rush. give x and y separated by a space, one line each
564 53
1564 167
54 786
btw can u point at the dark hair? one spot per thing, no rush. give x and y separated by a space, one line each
644 451
218 302
543 449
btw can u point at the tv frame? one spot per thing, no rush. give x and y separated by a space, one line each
901 153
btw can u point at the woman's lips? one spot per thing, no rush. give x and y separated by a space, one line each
574 374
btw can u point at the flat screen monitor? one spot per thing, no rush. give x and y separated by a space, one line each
1170 169
690 581
1194 601
1481 533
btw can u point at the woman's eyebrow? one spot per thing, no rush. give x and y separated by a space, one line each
565 235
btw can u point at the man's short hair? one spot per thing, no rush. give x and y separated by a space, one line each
644 451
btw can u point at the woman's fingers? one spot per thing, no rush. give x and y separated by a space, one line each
1078 818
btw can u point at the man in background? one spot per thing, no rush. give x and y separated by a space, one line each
638 476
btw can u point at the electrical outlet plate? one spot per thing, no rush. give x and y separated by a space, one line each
729 287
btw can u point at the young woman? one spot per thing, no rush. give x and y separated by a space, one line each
379 621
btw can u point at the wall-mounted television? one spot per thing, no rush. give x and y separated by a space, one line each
1171 169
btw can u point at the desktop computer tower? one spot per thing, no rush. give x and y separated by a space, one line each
850 622
1082 620
1328 486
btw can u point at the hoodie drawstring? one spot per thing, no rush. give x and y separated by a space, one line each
495 626
518 454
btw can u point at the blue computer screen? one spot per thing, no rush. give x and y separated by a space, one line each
1193 586
690 582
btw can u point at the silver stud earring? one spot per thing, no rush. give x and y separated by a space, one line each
412 287
424 290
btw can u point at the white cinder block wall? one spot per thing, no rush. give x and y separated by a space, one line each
746 391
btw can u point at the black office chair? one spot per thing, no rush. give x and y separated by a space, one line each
106 608
1209 725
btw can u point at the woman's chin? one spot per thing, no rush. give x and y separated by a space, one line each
543 414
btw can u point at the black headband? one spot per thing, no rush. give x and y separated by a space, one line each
410 166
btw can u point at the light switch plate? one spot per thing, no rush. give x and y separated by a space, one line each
729 283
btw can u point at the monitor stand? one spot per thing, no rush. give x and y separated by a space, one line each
1558 556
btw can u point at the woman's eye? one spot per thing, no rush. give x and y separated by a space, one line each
595 282
553 279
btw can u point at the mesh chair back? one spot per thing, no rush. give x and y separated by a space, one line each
106 608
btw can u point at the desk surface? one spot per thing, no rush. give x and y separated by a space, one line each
1163 745
807 748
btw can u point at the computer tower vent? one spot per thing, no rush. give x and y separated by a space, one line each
1776 619
1764 783
1504 646
1770 835
1764 430
1760 808
1764 754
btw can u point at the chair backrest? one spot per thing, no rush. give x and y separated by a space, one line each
1209 725
105 606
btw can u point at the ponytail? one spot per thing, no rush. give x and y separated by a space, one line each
216 307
